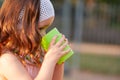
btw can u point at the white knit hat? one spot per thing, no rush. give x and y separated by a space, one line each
46 10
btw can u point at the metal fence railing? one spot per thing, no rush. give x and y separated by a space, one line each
102 24
100 21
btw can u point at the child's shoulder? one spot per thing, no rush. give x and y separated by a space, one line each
7 58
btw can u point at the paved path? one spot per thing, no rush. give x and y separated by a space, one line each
90 76
96 48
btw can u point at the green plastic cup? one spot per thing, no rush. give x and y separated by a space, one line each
46 42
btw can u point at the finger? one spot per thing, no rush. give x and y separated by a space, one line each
53 40
66 51
64 45
60 42
66 39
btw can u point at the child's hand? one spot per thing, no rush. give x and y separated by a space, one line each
56 50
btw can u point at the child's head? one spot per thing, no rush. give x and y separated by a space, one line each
22 35
46 10
47 14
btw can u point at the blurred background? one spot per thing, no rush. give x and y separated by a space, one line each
93 29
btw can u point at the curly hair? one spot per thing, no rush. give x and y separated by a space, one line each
20 36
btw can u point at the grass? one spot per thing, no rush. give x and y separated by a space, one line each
100 63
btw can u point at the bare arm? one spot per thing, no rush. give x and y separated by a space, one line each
46 72
58 72
54 72
49 69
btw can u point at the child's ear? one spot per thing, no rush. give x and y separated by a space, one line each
46 23
51 20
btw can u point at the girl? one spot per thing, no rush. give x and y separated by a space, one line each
22 23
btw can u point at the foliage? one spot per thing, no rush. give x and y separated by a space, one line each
100 63
112 2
